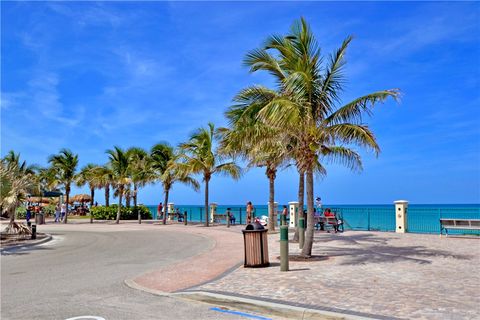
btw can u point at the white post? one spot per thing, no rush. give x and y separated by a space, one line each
213 211
275 212
293 211
401 216
171 210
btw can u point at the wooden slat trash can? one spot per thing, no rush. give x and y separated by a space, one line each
255 246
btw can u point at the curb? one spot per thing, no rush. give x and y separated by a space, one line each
26 245
264 307
246 304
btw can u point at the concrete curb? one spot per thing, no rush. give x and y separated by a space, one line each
264 307
252 305
26 245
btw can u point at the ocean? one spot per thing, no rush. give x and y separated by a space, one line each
421 218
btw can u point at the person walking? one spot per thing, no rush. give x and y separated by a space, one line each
63 211
249 211
284 215
57 213
28 214
159 211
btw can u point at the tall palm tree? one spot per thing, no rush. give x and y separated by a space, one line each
260 145
65 165
85 176
198 156
307 104
169 171
119 166
140 170
104 176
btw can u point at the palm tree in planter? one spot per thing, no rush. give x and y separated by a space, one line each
198 156
89 175
118 162
65 165
309 104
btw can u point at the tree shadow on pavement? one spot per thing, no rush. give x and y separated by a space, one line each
350 239
389 254
19 251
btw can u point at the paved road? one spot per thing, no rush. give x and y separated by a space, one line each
81 273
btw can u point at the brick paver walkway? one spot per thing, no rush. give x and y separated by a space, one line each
393 275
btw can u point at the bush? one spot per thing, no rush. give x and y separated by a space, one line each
21 212
110 213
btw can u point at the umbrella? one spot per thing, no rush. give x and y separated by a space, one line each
38 200
81 198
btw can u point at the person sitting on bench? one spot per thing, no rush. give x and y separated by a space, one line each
329 214
230 216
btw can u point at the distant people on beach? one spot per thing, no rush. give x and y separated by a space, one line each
249 212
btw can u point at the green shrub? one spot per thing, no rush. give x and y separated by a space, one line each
49 210
110 213
21 212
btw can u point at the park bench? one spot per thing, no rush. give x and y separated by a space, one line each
458 224
332 222
219 217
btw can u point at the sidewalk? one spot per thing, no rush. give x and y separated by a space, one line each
368 274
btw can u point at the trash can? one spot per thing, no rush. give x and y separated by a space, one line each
39 218
255 246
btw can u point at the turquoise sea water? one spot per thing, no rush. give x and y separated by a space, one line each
421 218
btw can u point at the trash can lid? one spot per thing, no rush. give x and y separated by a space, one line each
254 226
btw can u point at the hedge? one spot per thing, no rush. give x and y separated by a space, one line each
110 213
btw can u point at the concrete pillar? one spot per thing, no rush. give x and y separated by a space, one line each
213 210
275 212
401 207
293 211
170 210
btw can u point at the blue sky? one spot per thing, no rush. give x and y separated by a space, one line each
89 76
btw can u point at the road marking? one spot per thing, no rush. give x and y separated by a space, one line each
86 317
238 313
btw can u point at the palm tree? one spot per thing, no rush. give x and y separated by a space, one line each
119 166
15 185
85 176
260 145
169 171
65 164
141 172
198 156
307 104
104 176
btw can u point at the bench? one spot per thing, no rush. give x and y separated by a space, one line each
219 217
459 224
333 222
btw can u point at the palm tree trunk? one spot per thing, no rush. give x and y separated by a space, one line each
207 215
128 198
135 190
165 206
92 195
67 193
307 247
119 210
271 199
107 195
12 216
301 198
